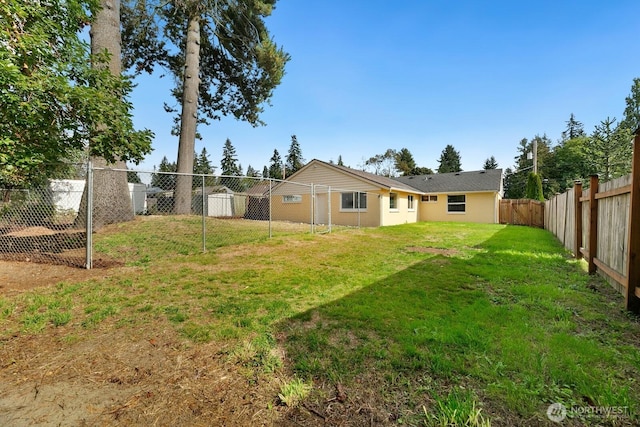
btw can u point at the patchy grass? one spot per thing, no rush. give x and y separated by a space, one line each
423 324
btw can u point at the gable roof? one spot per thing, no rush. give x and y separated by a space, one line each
378 180
473 181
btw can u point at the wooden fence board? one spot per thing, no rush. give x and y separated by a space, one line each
522 212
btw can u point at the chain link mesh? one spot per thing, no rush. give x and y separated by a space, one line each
136 217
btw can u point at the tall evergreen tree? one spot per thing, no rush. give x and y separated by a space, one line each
265 172
631 119
573 130
449 160
340 162
221 54
202 166
166 182
251 172
405 162
275 166
294 157
609 150
490 163
111 198
229 163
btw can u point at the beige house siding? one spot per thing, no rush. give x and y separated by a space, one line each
402 214
481 207
328 180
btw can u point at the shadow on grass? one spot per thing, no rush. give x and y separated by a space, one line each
509 319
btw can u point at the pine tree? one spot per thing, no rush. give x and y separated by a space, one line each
251 172
574 129
265 172
609 150
164 181
229 163
294 157
405 162
340 162
490 163
631 120
275 166
449 160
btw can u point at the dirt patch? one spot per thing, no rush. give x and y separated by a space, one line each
117 377
22 276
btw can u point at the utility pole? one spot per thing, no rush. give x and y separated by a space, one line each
535 155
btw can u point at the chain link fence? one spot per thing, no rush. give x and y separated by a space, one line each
136 217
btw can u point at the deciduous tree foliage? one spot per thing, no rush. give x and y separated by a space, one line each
53 101
221 55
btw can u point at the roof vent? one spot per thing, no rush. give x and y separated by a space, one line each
457 173
482 171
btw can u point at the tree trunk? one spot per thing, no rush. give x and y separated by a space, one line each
111 199
189 118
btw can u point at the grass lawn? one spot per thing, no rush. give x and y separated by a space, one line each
421 324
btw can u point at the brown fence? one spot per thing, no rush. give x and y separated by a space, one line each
603 225
522 212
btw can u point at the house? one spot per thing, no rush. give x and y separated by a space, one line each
460 196
343 196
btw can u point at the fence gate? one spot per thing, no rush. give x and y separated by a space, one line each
522 212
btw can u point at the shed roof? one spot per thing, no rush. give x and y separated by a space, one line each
472 181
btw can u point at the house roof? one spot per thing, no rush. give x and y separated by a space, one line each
473 181
378 180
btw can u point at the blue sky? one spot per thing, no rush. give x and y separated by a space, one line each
365 76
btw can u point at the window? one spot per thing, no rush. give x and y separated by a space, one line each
410 202
456 204
430 198
292 199
353 201
393 201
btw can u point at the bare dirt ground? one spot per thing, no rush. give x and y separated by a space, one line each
21 276
117 376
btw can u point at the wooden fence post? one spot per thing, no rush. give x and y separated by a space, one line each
577 193
633 260
593 223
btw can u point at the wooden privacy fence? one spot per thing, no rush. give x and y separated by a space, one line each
602 224
522 212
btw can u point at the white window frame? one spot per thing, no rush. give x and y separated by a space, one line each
393 197
411 203
357 197
457 203
292 198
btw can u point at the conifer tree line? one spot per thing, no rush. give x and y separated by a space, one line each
578 154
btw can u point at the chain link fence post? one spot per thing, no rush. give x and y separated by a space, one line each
89 219
204 216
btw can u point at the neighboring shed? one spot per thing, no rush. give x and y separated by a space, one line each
460 196
66 195
343 196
